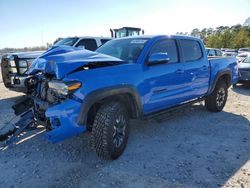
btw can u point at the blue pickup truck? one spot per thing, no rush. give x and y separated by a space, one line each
72 90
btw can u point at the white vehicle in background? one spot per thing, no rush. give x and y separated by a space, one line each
243 50
244 69
15 65
230 53
241 56
213 52
88 43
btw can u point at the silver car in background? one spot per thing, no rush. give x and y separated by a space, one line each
243 50
244 69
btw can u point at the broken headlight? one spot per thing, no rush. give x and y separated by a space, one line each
64 88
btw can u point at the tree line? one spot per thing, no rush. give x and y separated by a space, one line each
25 49
234 37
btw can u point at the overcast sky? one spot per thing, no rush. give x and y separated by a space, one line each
26 23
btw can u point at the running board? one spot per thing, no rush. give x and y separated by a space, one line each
170 109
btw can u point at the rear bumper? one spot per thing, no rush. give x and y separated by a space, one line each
63 121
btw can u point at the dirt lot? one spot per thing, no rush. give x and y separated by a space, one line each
185 148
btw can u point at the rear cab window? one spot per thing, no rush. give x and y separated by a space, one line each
191 50
166 46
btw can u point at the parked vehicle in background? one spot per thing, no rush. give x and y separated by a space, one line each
88 43
75 90
18 63
126 32
213 52
14 66
241 56
230 53
242 50
223 49
244 69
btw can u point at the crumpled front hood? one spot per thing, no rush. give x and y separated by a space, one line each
61 60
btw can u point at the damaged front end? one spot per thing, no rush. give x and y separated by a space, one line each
50 103
51 96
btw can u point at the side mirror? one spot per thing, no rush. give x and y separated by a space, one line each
158 58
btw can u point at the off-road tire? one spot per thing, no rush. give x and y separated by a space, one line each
217 99
104 129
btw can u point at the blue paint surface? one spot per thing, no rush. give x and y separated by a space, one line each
158 87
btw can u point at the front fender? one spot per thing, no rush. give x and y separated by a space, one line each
100 94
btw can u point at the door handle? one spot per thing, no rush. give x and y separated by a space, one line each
179 71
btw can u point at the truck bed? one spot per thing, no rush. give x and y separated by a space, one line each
222 63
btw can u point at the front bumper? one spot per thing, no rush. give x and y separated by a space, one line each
17 83
63 121
12 74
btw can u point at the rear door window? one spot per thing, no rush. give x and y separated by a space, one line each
166 46
191 49
89 44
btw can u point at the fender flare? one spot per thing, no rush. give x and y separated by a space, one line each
218 76
103 93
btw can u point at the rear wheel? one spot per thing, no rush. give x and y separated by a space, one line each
217 100
110 130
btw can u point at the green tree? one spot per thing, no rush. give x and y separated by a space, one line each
241 39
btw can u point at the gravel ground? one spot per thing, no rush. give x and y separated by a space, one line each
186 148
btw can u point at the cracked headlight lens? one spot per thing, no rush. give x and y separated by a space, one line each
64 88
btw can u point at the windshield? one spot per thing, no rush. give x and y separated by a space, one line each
124 49
244 49
67 41
247 60
230 50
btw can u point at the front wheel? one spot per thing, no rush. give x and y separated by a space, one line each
110 130
217 100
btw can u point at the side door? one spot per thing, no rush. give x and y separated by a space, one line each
197 69
165 84
88 44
